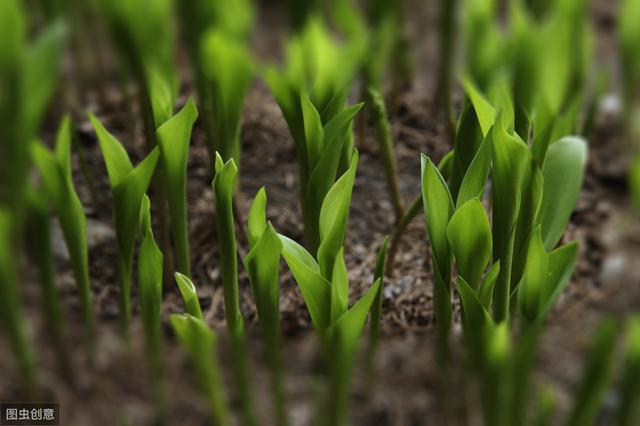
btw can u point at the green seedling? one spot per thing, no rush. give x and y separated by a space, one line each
145 50
150 283
13 319
173 139
262 264
228 70
231 21
39 245
629 410
223 186
128 186
200 343
312 92
376 308
596 375
324 284
55 168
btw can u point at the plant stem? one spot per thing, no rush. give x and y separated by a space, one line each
387 154
410 213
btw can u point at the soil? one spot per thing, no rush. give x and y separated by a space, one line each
116 389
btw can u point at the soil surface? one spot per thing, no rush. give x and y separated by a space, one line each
116 389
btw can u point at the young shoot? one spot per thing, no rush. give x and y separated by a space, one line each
200 343
150 288
228 70
223 187
324 284
262 264
128 186
312 92
55 168
173 139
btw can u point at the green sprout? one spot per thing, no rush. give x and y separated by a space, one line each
324 284
128 186
173 139
200 342
228 70
145 49
312 92
150 283
13 319
231 21
223 186
262 264
55 168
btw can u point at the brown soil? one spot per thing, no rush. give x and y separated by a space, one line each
117 387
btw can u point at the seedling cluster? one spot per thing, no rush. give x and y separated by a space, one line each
496 206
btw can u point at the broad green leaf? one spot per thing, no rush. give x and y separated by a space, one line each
562 261
200 343
469 235
475 179
173 139
563 172
596 375
189 295
334 215
315 289
438 209
536 273
485 112
115 157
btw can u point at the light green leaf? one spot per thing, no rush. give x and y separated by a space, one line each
257 218
563 172
334 216
469 234
485 112
485 292
149 277
115 157
189 295
475 179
